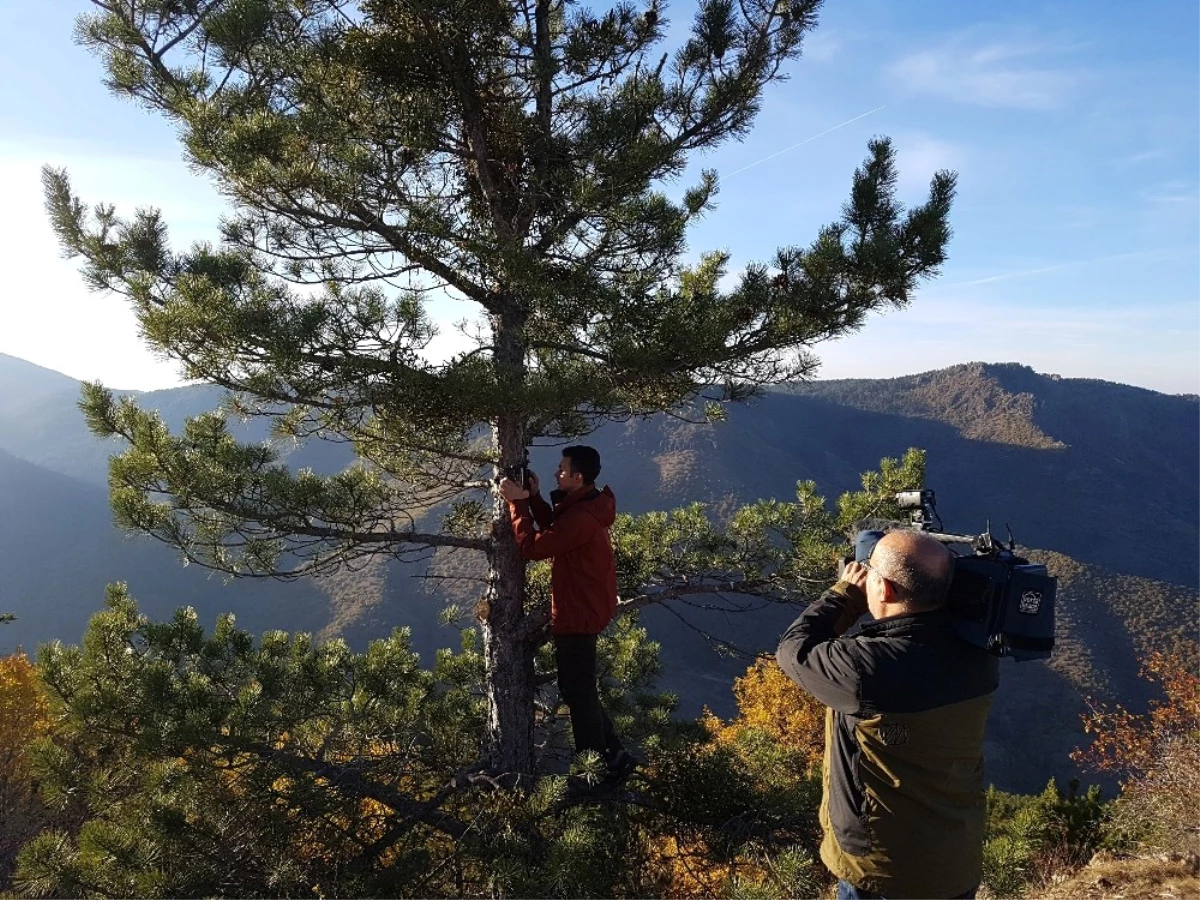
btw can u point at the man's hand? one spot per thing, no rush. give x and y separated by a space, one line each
511 491
855 574
535 486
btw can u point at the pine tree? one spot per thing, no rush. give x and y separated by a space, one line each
279 765
512 155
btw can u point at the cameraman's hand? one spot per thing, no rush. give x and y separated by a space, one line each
511 491
535 486
855 575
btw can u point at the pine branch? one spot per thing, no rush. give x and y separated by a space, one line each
349 781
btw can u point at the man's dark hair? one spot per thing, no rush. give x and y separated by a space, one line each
585 461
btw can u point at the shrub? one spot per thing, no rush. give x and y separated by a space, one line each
24 717
1157 754
1030 838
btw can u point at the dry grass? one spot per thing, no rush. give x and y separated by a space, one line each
1108 878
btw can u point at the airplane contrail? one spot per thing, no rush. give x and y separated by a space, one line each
805 141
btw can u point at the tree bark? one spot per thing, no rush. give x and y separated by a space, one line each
508 652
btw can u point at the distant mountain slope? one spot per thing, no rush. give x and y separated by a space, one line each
1104 472
1103 476
26 383
1011 404
968 397
58 550
40 422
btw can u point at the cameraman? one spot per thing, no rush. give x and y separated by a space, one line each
903 806
573 535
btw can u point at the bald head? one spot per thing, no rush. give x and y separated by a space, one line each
919 566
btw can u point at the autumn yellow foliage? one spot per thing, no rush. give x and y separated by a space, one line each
24 717
774 713
686 870
773 705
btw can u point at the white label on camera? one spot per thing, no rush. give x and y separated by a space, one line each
1031 602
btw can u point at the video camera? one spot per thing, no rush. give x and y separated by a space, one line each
1000 601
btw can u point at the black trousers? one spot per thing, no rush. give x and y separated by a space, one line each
591 727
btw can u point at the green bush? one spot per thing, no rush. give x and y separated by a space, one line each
1030 837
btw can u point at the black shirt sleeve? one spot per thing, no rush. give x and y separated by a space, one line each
813 654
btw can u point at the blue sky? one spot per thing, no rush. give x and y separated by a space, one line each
1073 126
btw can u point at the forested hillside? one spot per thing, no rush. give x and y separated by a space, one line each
1118 536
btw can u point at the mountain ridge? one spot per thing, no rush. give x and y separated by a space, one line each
1100 475
958 392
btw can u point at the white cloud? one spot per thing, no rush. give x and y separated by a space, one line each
1012 73
1071 264
823 45
1172 193
920 155
1138 159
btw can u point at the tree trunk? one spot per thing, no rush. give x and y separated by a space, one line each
508 653
508 677
508 657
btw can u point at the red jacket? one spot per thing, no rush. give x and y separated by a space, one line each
574 536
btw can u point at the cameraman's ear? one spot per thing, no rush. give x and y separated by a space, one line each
890 594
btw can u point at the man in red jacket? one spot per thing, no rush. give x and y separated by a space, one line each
573 535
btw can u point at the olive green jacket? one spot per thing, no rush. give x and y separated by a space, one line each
903 804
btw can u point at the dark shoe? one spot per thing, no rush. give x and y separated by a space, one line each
621 767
